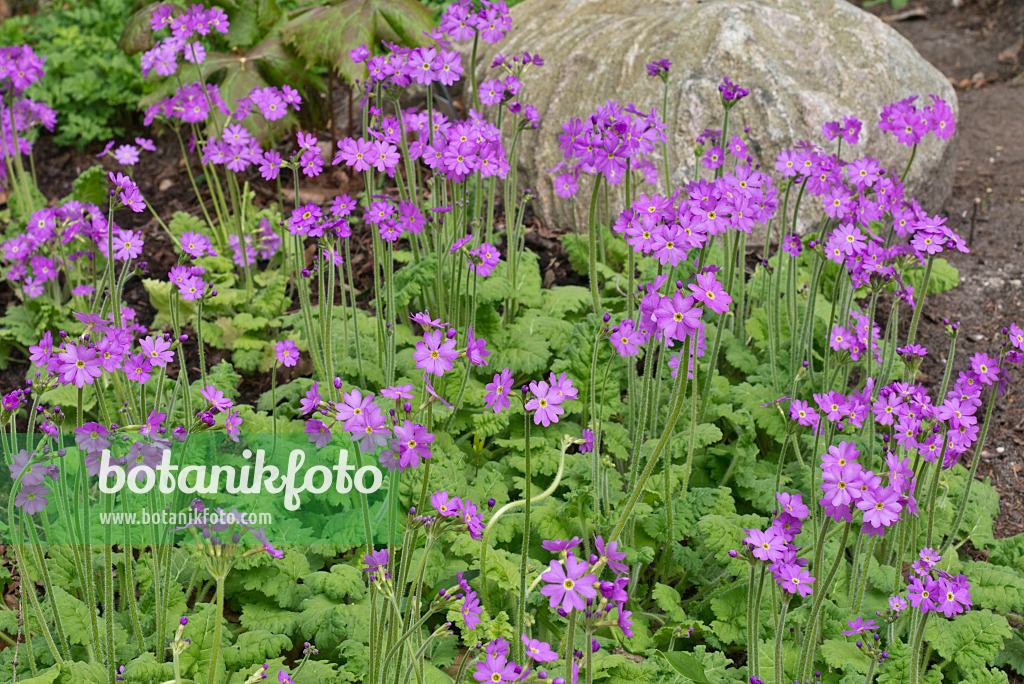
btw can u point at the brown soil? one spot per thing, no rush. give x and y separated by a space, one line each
978 46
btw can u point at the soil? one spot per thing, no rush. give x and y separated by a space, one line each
979 46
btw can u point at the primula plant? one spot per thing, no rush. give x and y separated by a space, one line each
686 470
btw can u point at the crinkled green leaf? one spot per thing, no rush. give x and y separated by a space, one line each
971 639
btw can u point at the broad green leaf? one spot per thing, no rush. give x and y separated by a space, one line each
686 665
327 34
971 639
844 655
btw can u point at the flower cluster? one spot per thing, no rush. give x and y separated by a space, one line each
403 66
931 589
20 67
609 142
775 546
64 239
465 20
186 29
910 123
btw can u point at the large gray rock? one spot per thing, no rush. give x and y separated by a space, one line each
805 62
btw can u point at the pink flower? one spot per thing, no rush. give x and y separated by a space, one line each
498 391
545 404
435 353
796 580
985 367
709 291
626 339
318 433
127 245
157 350
216 398
231 424
881 507
79 365
569 585
413 443
287 353
677 316
767 546
354 152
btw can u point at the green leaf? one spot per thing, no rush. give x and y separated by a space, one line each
844 655
1012 655
985 675
196 660
84 673
686 665
91 186
1008 551
268 616
897 666
995 587
971 639
341 582
668 600
48 676
255 647
327 34
74 616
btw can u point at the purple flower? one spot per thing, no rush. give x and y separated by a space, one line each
376 561
157 350
471 610
397 392
467 510
216 398
881 507
435 353
79 365
287 353
495 669
859 626
475 350
792 504
610 552
897 603
731 93
447 507
311 401
985 367
658 67
767 546
588 441
413 443
556 545
318 433
677 316
127 245
626 339
196 244
569 585
498 390
795 580
922 594
32 498
546 404
537 650
709 291
127 155
231 423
